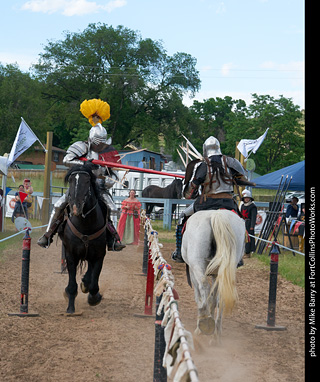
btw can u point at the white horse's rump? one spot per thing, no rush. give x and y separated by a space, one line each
212 246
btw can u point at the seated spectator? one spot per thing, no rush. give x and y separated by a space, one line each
20 209
293 208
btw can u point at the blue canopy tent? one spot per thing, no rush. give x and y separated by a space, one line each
272 180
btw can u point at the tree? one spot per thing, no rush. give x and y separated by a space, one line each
20 96
284 144
232 120
217 117
134 75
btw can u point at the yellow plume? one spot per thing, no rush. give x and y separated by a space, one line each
95 107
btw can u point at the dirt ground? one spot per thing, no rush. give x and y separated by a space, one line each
109 343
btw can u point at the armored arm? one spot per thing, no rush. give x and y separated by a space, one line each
75 151
238 172
191 189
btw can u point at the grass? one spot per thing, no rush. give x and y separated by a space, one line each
292 268
15 243
165 236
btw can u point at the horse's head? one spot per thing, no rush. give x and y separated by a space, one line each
178 188
81 188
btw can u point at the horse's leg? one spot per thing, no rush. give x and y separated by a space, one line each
71 290
95 297
205 322
216 312
86 279
149 208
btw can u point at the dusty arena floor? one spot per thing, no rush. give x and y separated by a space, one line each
109 343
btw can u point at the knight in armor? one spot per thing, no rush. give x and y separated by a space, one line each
211 185
96 111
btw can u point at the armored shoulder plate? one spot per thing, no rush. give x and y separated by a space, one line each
235 165
79 149
76 150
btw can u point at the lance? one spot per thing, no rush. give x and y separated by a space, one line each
132 168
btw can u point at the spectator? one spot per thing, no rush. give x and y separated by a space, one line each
20 209
129 223
301 227
293 208
29 190
249 213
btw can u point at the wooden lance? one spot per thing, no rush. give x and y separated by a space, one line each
132 168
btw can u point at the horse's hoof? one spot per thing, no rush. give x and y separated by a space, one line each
84 288
206 325
70 311
94 300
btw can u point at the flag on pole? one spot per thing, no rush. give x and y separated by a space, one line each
25 138
246 146
22 196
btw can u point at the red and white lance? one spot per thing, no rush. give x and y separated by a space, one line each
132 168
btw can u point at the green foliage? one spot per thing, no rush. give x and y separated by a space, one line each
135 76
231 120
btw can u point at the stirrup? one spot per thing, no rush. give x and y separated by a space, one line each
176 256
116 246
44 241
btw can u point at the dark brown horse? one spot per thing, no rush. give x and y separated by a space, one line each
173 191
84 235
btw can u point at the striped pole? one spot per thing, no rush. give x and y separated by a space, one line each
24 296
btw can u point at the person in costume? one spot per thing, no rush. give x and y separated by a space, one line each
96 111
249 213
215 176
129 223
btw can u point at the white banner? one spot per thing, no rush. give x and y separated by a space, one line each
40 201
3 165
10 202
247 145
24 139
261 217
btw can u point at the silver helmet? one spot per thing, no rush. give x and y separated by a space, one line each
98 138
211 147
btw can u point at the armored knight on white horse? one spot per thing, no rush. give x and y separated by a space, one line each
215 175
214 237
96 111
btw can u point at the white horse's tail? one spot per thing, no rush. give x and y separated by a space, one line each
224 264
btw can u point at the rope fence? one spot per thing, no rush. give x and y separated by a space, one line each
279 245
175 357
23 231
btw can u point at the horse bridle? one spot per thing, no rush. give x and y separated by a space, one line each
86 195
85 238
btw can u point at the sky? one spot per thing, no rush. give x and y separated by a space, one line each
241 46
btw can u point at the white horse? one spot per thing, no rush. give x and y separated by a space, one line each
212 245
